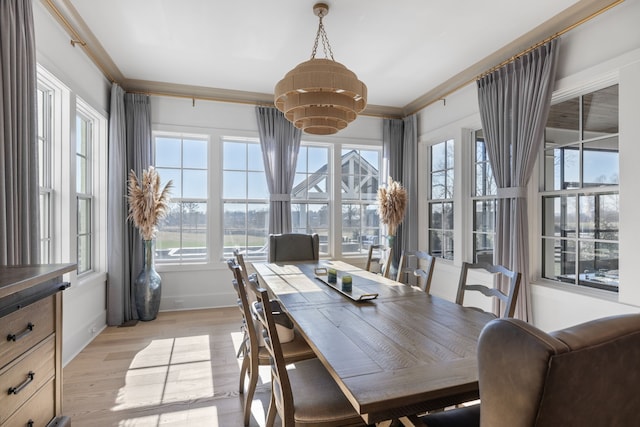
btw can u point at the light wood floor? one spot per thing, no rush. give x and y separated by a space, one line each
177 370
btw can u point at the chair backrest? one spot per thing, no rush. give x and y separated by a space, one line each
419 264
239 259
245 305
294 247
585 375
509 298
378 259
281 388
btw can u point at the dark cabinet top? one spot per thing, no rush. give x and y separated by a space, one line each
14 279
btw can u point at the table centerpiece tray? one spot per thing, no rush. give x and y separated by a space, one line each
355 294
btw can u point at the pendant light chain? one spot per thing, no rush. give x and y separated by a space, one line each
326 46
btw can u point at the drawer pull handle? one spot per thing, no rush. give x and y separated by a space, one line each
27 331
18 389
30 423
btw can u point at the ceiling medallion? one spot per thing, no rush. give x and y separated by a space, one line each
321 96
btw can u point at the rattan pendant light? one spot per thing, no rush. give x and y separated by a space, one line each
321 96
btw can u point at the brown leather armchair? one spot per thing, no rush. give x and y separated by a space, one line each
585 375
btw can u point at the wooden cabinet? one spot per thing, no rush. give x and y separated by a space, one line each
31 345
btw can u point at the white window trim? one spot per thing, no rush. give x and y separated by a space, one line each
564 92
98 188
204 136
337 199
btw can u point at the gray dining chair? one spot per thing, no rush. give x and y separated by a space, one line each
306 395
508 298
378 259
294 247
418 264
256 355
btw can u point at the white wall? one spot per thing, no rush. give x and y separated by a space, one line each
606 48
84 303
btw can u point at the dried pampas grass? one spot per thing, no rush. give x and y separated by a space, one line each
147 202
392 203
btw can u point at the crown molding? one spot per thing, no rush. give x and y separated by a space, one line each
575 15
82 37
155 88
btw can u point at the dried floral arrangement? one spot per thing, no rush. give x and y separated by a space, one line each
392 203
148 203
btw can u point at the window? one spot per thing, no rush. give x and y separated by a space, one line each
245 198
310 194
182 234
580 201
484 204
45 173
360 179
440 200
84 192
72 177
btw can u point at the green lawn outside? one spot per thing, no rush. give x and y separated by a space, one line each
169 240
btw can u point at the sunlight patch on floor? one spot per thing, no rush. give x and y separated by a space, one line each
168 370
236 338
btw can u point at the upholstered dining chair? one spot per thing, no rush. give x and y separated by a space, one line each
295 350
294 247
509 298
306 395
423 270
584 375
378 259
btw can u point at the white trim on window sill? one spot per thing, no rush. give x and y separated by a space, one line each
581 290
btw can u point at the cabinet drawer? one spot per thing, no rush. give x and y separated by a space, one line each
39 409
26 376
16 334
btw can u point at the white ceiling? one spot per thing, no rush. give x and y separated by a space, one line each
401 49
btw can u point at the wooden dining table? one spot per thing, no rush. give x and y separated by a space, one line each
396 353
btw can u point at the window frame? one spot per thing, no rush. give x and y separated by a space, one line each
360 202
452 201
46 148
579 191
324 234
178 201
485 196
257 253
88 195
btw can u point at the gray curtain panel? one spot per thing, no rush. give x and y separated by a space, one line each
130 147
19 197
120 309
409 179
400 161
514 105
280 142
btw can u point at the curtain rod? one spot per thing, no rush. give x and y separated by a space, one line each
522 53
548 39
193 99
77 39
